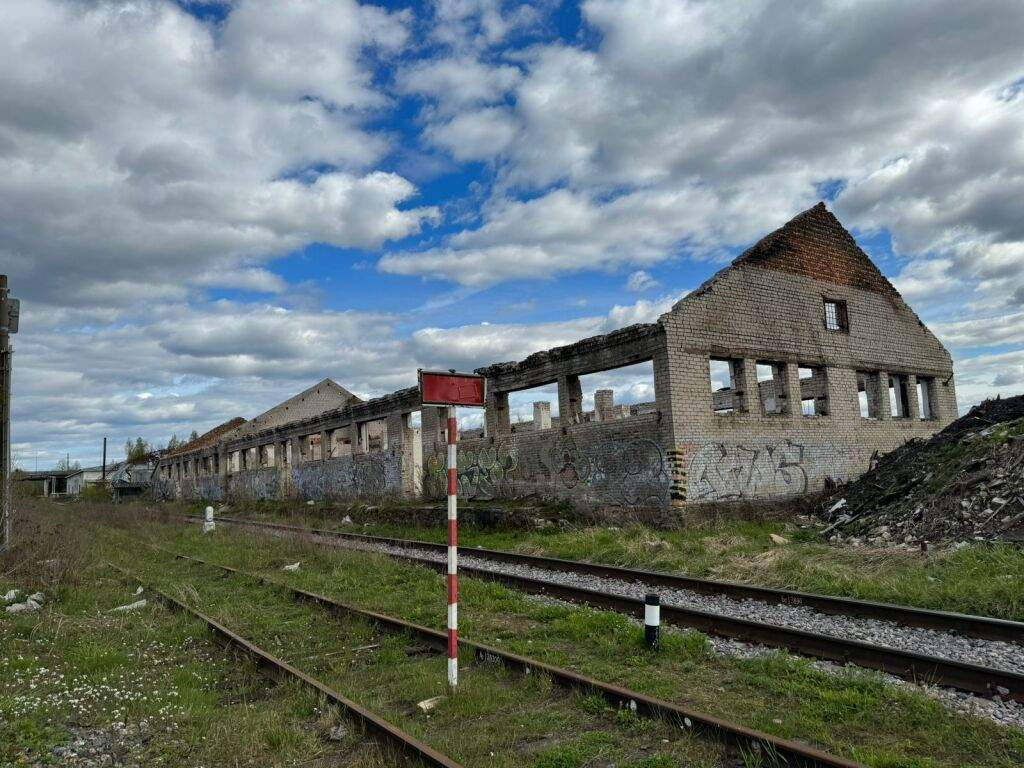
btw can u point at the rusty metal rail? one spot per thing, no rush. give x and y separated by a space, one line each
782 751
909 665
385 731
982 627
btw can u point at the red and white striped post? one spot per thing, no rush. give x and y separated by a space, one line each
453 550
448 389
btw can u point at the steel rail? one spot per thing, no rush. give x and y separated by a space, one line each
701 724
982 627
385 731
909 665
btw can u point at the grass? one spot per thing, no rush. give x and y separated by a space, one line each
74 668
982 579
495 719
856 714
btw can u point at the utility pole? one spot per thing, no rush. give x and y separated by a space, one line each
9 311
103 476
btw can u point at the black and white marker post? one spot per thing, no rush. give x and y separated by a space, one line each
652 621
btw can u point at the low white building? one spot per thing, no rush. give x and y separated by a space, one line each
79 479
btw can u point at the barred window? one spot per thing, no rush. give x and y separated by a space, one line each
836 317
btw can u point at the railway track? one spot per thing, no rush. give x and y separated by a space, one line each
911 665
417 751
741 740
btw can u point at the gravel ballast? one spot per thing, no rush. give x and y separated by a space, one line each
988 653
994 654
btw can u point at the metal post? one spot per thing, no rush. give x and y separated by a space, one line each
103 476
453 552
5 432
5 410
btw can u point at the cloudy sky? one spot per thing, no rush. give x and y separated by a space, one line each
207 206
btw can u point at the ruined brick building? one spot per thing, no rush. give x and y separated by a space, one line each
817 364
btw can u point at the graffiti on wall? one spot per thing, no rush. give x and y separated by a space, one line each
720 472
203 488
613 471
365 476
370 475
255 484
163 489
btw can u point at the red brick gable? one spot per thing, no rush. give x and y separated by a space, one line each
814 244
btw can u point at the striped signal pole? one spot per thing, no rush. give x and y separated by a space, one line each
453 551
448 389
453 439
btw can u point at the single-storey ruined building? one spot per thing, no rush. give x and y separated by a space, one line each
789 368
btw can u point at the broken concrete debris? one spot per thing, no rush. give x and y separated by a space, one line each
130 606
964 484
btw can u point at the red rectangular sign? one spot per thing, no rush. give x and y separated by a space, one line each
446 388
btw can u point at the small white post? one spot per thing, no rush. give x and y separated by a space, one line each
208 524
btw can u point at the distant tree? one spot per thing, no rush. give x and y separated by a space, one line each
193 436
174 443
137 451
64 466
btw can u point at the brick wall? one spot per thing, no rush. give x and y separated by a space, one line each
771 309
766 311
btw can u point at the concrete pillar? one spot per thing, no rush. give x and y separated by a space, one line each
882 395
744 382
496 415
431 419
325 445
791 374
570 400
355 438
604 405
683 394
399 438
542 415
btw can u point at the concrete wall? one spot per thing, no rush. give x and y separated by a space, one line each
618 464
373 456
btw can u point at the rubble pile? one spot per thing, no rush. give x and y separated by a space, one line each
964 484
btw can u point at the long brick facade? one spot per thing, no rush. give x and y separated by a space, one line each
824 362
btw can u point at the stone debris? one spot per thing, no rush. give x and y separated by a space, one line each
121 746
25 607
338 732
11 596
428 705
963 485
292 567
776 539
129 607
